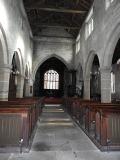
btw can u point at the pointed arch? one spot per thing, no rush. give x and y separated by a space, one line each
18 60
89 63
80 71
27 70
46 58
110 46
4 58
87 73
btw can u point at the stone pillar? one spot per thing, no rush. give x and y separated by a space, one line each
73 77
4 82
87 88
105 85
31 82
20 84
72 83
29 88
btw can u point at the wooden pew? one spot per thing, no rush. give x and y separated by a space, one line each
108 126
102 115
14 125
18 119
100 121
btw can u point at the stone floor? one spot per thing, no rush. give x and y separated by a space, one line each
59 138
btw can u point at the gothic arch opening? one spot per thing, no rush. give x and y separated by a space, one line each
26 81
110 45
4 64
15 77
115 73
79 81
1 54
3 47
41 60
47 82
95 79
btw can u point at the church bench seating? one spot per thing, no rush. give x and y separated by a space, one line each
100 121
15 125
107 126
18 119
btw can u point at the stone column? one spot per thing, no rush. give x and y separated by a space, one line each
20 84
29 88
87 88
31 82
4 82
105 85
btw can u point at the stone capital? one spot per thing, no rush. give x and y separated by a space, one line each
105 70
6 68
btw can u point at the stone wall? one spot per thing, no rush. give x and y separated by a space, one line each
53 43
15 36
101 42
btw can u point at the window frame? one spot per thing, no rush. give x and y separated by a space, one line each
89 24
51 80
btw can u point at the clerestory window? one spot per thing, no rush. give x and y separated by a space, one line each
108 3
89 26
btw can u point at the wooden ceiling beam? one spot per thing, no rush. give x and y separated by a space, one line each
60 10
32 2
55 26
81 3
86 2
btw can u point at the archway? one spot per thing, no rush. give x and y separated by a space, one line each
95 79
79 81
51 64
108 64
4 58
111 43
92 70
43 59
4 66
16 80
26 83
115 74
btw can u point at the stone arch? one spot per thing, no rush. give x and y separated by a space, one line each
80 71
27 70
4 65
51 63
26 81
79 80
19 61
87 72
16 76
89 63
46 58
110 46
4 58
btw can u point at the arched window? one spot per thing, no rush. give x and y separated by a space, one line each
51 80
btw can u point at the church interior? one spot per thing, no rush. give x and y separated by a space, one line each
59 79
